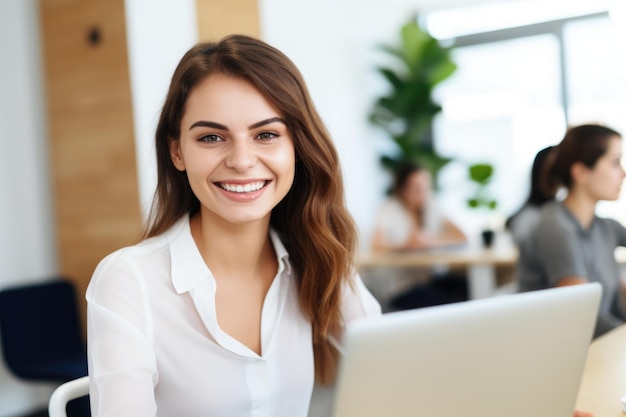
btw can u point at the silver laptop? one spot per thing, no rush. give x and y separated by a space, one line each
518 355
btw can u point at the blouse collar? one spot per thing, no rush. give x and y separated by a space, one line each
189 270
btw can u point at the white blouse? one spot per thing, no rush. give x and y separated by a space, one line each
156 349
396 222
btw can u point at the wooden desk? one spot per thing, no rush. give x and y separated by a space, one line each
604 377
479 262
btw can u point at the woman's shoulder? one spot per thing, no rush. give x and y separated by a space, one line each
610 222
554 211
522 223
129 260
124 275
142 248
146 252
554 221
608 225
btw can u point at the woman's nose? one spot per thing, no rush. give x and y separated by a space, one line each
241 156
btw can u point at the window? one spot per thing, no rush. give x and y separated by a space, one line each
515 92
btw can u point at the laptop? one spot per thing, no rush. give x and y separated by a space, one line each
517 355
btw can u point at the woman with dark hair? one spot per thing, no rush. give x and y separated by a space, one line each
570 244
522 220
409 218
238 295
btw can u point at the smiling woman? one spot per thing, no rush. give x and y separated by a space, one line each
235 148
236 298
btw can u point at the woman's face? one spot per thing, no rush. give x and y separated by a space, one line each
604 180
236 149
416 190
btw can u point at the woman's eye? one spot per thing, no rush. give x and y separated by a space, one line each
267 135
210 138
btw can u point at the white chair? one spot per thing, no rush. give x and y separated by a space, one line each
66 392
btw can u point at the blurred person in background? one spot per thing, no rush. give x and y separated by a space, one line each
570 244
521 222
409 219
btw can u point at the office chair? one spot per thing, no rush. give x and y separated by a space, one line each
65 393
41 336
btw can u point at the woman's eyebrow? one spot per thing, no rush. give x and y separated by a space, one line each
206 123
266 122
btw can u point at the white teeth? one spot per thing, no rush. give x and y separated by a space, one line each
238 188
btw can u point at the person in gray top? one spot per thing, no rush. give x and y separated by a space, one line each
521 222
570 244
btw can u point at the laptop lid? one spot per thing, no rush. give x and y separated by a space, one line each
516 355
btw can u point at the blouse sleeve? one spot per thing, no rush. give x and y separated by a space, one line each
122 365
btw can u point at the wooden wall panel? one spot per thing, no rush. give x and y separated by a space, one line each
92 146
217 18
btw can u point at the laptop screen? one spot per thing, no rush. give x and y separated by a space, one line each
514 355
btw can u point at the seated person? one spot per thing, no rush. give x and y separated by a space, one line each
522 220
570 244
410 220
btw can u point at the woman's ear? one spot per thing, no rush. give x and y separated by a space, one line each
176 155
579 171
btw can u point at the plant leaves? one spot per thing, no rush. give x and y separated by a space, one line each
480 173
406 113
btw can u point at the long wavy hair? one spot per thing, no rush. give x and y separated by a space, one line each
312 219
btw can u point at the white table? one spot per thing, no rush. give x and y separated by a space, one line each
604 378
480 263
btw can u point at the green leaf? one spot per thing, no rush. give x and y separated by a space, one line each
394 79
407 111
481 173
442 71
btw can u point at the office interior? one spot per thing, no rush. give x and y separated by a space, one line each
81 84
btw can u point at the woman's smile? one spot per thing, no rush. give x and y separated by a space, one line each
236 149
241 188
242 192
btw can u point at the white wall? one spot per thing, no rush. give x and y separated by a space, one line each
26 241
158 36
27 251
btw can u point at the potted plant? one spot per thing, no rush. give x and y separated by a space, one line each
481 174
407 111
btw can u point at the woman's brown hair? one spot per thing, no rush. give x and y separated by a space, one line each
584 144
312 219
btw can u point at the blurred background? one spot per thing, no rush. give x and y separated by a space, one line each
82 83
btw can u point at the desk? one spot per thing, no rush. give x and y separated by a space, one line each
604 377
479 262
